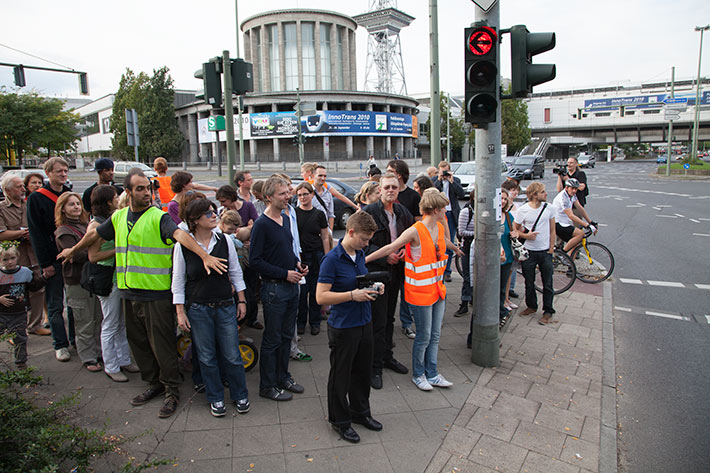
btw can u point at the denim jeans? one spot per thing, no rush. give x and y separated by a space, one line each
543 259
452 232
467 288
425 349
504 275
308 308
280 305
213 328
405 310
54 294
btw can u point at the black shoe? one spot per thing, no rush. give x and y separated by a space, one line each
447 277
513 294
396 366
169 407
147 395
347 433
301 330
462 310
315 329
291 385
376 381
368 422
276 394
255 325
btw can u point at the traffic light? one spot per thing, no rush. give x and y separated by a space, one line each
242 78
83 84
523 46
19 76
481 69
211 82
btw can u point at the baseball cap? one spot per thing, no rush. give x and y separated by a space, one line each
102 164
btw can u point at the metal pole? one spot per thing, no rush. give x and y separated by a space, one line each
670 127
434 96
485 338
219 156
448 129
229 115
241 124
696 123
298 117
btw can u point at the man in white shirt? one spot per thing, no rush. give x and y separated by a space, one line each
535 222
563 203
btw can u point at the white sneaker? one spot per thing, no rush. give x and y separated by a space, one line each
422 383
439 381
63 354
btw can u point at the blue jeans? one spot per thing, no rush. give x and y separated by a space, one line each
280 305
405 310
452 232
425 349
308 308
214 327
54 295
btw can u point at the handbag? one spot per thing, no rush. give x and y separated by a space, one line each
520 253
97 278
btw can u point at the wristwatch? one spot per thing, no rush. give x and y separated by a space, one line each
241 302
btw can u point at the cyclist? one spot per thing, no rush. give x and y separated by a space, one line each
565 219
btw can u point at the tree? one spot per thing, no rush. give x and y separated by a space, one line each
29 122
153 100
516 128
456 130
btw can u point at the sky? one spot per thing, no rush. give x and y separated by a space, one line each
599 42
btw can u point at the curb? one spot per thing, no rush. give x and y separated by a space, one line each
608 461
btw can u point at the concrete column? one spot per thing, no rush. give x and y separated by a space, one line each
353 61
333 56
371 139
282 57
266 60
277 154
326 140
349 139
347 75
246 38
252 150
192 137
316 52
388 139
399 147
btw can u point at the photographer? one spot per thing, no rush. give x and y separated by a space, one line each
349 329
575 172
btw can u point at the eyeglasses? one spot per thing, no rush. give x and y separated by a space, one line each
303 194
210 213
387 188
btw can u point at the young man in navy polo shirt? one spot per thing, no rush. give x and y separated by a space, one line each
349 329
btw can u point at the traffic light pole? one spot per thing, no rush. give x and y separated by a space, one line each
298 118
240 103
229 114
486 272
670 127
434 96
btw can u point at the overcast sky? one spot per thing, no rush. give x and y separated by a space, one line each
599 42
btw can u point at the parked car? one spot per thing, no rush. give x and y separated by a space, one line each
586 160
24 172
467 175
121 168
531 166
662 158
342 211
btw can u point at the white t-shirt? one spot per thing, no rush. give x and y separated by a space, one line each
563 201
526 216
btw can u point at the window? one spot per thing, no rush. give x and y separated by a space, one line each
274 57
339 57
325 56
308 51
602 114
651 112
547 116
90 125
291 55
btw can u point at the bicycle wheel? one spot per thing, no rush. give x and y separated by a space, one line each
563 273
595 264
459 267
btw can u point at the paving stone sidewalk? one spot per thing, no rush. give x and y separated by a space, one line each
540 411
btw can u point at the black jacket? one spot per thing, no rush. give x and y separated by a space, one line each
40 221
382 235
456 192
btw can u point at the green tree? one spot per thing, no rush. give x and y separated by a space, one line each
153 100
516 128
29 122
456 130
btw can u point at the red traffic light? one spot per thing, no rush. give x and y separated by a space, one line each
482 40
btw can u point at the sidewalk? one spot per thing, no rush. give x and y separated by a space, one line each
540 411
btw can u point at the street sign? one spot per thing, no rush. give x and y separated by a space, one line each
671 115
686 166
484 5
216 123
481 41
307 108
683 100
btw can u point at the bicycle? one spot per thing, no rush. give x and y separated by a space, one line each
563 273
593 261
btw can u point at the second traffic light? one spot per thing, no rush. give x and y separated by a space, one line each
481 69
523 46
212 85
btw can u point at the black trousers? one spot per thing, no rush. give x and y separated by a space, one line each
543 259
349 378
383 321
251 279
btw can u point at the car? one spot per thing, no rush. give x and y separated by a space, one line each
121 168
531 165
24 172
662 158
586 160
454 166
467 175
342 210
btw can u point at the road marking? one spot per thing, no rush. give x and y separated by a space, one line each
630 281
707 317
656 208
703 286
634 206
666 283
603 225
624 309
664 206
666 216
681 216
701 234
646 191
704 219
668 316
694 221
618 198
641 204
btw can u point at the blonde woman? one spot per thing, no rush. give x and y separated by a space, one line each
369 193
424 289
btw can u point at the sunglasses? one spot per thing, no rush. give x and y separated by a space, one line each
210 213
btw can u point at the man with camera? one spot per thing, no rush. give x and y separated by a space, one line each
451 187
572 170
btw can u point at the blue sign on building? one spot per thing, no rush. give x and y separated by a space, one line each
640 101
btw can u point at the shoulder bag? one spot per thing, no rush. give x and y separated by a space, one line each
520 253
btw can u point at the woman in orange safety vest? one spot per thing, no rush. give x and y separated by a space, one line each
166 194
424 264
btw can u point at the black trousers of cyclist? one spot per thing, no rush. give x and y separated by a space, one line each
543 260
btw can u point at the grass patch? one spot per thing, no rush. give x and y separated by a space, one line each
679 166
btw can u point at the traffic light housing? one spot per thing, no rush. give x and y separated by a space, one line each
19 72
242 77
211 82
481 69
523 46
83 84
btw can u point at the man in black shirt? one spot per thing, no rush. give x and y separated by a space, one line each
104 167
574 171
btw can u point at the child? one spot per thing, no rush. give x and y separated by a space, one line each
15 282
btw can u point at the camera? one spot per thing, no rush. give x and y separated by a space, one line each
446 174
560 169
373 281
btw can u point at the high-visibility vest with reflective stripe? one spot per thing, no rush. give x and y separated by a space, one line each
424 279
165 192
143 260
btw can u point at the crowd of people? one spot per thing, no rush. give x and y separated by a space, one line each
141 260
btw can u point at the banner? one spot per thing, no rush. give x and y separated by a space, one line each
331 123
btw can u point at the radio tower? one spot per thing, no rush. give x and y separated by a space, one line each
385 69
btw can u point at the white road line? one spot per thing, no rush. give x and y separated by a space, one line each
704 219
624 309
694 221
634 206
641 204
630 281
666 216
703 286
701 234
617 198
603 225
656 208
681 216
707 317
666 283
668 316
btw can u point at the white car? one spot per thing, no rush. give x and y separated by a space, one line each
121 168
586 160
467 175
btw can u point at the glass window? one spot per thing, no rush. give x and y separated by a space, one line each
339 82
325 56
274 57
308 50
90 125
291 55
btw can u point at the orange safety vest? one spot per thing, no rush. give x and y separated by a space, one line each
165 192
424 279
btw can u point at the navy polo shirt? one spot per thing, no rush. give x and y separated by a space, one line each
338 269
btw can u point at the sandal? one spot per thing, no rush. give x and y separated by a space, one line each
302 357
93 366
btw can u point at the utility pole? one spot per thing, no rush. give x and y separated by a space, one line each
434 96
696 124
448 128
298 118
670 127
485 337
241 124
229 114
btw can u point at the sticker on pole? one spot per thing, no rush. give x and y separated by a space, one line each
484 5
482 40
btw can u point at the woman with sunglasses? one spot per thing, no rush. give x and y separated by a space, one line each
205 307
424 290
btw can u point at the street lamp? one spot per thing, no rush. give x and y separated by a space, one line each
694 156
